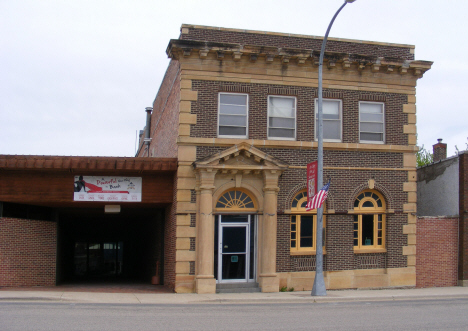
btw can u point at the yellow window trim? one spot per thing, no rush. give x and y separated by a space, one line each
300 198
359 211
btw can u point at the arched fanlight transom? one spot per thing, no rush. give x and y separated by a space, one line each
236 200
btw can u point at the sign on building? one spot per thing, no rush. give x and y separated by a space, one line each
107 189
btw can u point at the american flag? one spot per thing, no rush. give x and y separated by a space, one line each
318 199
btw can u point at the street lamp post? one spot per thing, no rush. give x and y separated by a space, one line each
319 288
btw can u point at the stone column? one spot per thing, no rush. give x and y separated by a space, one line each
269 281
204 280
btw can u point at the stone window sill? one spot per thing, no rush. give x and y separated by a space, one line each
369 250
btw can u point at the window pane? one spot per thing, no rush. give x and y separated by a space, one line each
331 116
306 242
371 136
294 203
279 122
306 231
306 226
371 117
331 107
375 108
232 131
233 120
331 130
371 127
233 109
368 204
367 230
283 107
233 99
281 133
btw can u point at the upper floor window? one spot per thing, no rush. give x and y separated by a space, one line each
281 117
303 226
369 221
371 122
232 115
332 120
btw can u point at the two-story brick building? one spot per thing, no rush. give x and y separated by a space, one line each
237 109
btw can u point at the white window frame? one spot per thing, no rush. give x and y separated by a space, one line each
341 120
246 117
295 117
383 124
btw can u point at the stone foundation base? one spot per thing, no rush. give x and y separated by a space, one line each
205 285
269 283
350 279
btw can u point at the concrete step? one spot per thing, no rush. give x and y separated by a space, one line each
237 288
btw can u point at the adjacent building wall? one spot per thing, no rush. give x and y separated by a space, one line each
438 188
27 252
437 251
463 213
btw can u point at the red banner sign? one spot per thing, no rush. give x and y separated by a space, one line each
312 170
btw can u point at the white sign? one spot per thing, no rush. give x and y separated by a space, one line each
107 189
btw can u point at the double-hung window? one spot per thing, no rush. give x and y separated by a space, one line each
233 115
281 117
371 122
332 120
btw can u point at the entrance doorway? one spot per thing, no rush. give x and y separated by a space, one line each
235 248
98 259
98 247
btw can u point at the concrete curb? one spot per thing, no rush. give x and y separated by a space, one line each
233 298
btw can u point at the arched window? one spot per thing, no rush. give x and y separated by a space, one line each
303 226
236 200
369 221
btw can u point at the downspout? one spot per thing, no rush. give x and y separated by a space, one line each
147 140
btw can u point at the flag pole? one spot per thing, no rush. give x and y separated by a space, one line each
319 288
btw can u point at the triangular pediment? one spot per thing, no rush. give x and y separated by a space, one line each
241 156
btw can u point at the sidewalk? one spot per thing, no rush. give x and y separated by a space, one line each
231 298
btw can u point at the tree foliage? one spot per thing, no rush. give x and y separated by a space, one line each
424 157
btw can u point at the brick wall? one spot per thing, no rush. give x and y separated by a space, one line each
27 252
165 116
437 251
262 39
463 214
346 185
206 109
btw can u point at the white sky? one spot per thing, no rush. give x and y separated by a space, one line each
76 76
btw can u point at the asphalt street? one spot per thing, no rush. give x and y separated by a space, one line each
418 314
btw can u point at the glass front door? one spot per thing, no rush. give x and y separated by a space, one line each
236 249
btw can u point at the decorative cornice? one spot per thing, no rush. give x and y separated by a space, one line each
178 49
256 160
